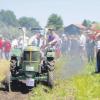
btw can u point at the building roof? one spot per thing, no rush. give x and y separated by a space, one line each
80 26
72 29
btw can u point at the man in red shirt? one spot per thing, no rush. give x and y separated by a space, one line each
7 49
1 46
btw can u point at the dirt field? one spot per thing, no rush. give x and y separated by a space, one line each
19 92
13 96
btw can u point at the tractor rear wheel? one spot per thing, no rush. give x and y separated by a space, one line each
50 78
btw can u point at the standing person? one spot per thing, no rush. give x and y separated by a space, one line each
42 45
14 43
82 45
20 43
98 53
1 47
90 44
64 44
35 39
74 46
7 49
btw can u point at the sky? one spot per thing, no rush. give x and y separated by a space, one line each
71 11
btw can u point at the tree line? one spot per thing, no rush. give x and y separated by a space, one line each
9 23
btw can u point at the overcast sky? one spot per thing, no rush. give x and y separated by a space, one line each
71 11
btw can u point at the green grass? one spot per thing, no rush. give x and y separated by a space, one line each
87 85
80 87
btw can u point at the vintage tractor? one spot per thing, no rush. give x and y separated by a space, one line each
30 68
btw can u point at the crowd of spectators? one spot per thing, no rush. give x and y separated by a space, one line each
83 45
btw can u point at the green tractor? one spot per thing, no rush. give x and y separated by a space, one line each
28 68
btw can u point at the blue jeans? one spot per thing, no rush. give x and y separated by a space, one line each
7 55
1 54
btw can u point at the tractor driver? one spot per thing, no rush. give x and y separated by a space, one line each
54 40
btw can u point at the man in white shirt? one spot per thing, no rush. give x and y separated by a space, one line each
35 39
14 43
82 41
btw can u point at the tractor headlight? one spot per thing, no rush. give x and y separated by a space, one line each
29 68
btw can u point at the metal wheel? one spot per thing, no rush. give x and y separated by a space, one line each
50 78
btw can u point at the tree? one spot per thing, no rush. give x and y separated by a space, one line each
8 17
55 22
8 32
87 23
28 22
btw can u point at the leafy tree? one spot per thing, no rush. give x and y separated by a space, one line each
8 32
28 22
8 17
55 21
87 23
